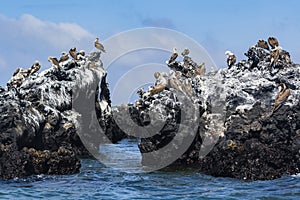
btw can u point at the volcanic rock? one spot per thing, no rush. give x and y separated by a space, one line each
234 131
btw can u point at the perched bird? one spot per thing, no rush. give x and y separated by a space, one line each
185 52
140 92
285 56
273 42
98 45
17 71
160 84
54 61
22 72
73 53
157 89
35 67
174 80
263 44
81 52
81 55
274 54
281 96
17 83
173 57
200 70
231 59
156 75
64 57
138 103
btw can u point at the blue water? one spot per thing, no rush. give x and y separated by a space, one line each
96 181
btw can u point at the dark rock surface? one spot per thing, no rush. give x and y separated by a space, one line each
38 124
237 134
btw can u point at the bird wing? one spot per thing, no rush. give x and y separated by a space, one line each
17 71
231 60
273 42
157 89
54 61
263 44
100 47
63 58
73 54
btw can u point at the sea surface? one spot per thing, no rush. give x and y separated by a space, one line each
99 181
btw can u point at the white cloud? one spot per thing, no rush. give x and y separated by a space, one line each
28 38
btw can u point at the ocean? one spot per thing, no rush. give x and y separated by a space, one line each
98 181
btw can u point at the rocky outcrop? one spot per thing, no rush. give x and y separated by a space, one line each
25 162
234 130
39 123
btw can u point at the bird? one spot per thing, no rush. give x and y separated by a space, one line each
263 44
160 84
81 52
81 55
156 89
174 80
231 59
35 67
173 57
185 52
98 45
274 54
273 42
156 75
285 56
17 71
281 96
73 53
64 57
140 92
21 72
54 61
200 70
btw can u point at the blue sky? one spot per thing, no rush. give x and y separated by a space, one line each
32 29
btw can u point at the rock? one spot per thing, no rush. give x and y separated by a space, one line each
39 115
20 163
237 134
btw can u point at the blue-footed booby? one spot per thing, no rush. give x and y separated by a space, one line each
273 42
98 45
173 57
281 96
231 58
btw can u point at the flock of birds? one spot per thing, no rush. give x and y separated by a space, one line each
21 74
163 80
175 80
274 51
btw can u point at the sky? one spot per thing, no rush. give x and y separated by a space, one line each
33 30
